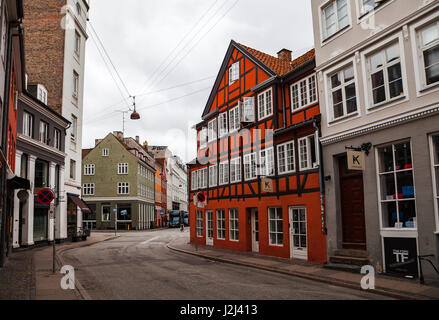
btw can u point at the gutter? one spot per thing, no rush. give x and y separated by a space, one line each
321 176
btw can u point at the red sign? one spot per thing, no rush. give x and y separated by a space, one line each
201 197
45 197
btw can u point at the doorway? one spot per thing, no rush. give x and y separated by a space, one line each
298 233
209 228
352 207
255 230
41 224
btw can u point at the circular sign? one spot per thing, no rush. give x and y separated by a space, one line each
45 196
201 197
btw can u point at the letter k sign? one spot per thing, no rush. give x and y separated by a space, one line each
356 160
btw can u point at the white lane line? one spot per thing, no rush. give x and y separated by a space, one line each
150 240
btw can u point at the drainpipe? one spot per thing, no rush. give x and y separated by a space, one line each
284 102
321 176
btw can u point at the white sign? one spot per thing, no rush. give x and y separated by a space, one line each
356 160
52 211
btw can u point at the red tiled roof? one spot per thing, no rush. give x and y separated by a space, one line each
277 65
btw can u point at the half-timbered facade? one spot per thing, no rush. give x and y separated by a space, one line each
258 158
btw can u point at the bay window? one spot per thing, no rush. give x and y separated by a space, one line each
343 93
234 116
266 165
235 170
303 93
275 226
335 17
385 74
223 126
265 104
307 153
250 166
224 173
285 158
429 50
396 186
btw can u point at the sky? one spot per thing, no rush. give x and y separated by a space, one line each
168 54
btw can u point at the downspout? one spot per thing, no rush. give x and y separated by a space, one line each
322 180
284 102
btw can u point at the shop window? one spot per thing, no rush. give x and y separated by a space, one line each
234 224
106 213
435 151
275 225
396 184
41 174
124 213
221 224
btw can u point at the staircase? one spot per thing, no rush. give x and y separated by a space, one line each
348 260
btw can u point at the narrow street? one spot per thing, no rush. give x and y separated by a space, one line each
139 266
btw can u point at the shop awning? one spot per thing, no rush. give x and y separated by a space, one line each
79 203
17 183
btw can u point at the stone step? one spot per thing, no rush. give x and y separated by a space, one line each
343 267
349 260
351 253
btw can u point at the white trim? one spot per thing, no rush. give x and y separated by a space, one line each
214 169
264 94
366 15
122 168
105 152
324 40
89 169
226 132
264 166
310 164
298 254
38 144
239 177
215 138
276 231
123 186
434 181
308 93
234 110
88 187
230 224
248 161
286 160
223 211
221 177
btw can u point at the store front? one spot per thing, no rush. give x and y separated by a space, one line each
124 218
41 224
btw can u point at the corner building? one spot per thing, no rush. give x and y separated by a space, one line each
258 158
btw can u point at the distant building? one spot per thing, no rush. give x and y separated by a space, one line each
119 180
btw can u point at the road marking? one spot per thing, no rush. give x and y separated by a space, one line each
150 240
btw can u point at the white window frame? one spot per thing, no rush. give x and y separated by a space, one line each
88 189
122 168
74 128
264 165
248 109
285 158
213 176
322 15
194 180
89 169
235 118
223 131
44 132
220 222
234 73
224 173
77 44
212 130
263 104
75 86
202 136
105 152
235 170
57 139
234 225
434 167
367 80
28 124
296 93
308 156
123 188
276 231
202 178
199 223
42 93
250 166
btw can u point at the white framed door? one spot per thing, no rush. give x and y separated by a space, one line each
209 228
298 233
255 230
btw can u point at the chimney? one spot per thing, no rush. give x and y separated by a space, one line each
118 135
138 139
285 55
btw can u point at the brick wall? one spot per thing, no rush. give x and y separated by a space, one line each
44 47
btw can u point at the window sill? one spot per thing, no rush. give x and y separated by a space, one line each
276 245
335 35
373 11
265 117
429 87
382 104
349 116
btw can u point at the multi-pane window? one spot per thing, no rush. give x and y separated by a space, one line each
222 123
335 17
275 226
74 128
203 138
106 213
224 173
213 176
123 188
199 223
249 109
234 225
250 166
396 186
265 104
209 222
299 228
343 93
88 189
28 124
194 180
285 158
234 72
304 93
235 170
307 153
57 139
234 116
429 47
44 132
105 152
202 178
122 168
385 74
42 94
89 170
221 224
75 87
77 43
435 173
266 163
212 130
368 5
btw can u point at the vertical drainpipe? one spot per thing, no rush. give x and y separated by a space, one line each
284 102
321 176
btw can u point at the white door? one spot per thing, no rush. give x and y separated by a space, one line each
255 230
298 233
209 228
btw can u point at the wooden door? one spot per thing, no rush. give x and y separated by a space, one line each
352 207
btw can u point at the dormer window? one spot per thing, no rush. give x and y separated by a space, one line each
42 93
234 73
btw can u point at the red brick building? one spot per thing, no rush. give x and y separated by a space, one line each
258 162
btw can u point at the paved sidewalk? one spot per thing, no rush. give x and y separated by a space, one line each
28 274
392 287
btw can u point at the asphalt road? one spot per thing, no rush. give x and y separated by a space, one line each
138 266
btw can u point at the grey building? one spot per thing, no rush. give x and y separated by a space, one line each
378 70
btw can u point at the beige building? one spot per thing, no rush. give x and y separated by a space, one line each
378 76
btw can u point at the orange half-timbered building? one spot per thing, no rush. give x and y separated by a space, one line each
258 158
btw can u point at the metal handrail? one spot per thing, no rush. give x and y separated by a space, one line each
420 258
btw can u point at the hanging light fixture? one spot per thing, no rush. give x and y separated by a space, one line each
135 115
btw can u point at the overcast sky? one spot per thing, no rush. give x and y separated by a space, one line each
140 36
